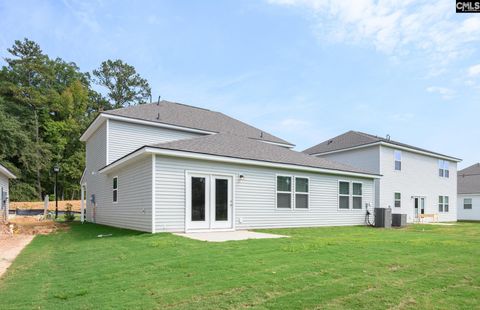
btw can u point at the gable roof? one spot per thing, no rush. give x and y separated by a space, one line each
7 172
236 147
191 118
354 139
468 180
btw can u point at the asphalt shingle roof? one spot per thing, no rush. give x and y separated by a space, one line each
178 114
357 138
468 180
244 148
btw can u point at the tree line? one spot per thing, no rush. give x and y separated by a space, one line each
45 106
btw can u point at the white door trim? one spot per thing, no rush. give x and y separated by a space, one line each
210 174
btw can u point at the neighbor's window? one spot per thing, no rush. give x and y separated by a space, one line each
284 192
443 169
301 193
443 204
398 200
467 203
115 189
398 159
343 195
356 195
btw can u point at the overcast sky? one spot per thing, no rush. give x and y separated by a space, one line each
305 70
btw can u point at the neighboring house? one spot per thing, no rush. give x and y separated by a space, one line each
414 181
469 193
5 175
172 167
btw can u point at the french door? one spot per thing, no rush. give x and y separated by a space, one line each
209 202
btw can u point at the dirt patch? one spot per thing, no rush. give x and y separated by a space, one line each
27 205
32 225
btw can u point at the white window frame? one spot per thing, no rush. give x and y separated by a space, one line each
395 200
356 196
115 189
344 195
291 192
464 203
395 152
443 168
301 193
445 205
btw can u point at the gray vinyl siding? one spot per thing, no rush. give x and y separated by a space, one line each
125 137
469 214
367 158
96 158
133 208
255 196
418 177
4 185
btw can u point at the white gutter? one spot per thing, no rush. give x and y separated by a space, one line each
392 146
7 172
218 158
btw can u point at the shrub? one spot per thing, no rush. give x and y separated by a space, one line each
69 215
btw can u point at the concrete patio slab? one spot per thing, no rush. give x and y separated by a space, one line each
222 236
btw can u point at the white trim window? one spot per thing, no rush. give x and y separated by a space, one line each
357 195
397 155
398 200
302 199
115 189
467 203
443 204
284 192
343 195
443 169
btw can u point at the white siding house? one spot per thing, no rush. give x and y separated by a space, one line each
413 181
468 206
170 167
5 175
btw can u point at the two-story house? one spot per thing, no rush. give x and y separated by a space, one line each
5 176
413 180
171 167
468 190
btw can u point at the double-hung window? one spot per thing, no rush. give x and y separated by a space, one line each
467 203
343 195
398 200
398 159
284 192
443 169
115 189
301 193
443 204
356 195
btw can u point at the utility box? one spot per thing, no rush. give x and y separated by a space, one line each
399 220
383 217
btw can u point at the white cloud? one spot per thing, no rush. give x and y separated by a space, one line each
446 93
396 27
474 70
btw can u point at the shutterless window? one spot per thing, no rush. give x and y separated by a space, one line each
467 203
398 160
356 195
284 192
398 200
443 169
301 193
343 195
115 189
443 204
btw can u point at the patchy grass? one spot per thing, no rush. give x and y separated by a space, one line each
421 267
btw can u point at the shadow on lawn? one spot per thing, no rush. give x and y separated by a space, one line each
89 231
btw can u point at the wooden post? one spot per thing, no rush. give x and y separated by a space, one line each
45 207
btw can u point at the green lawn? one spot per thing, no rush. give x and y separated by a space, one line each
422 266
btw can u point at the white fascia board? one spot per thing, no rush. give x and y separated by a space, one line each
199 156
7 172
395 146
290 146
82 179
